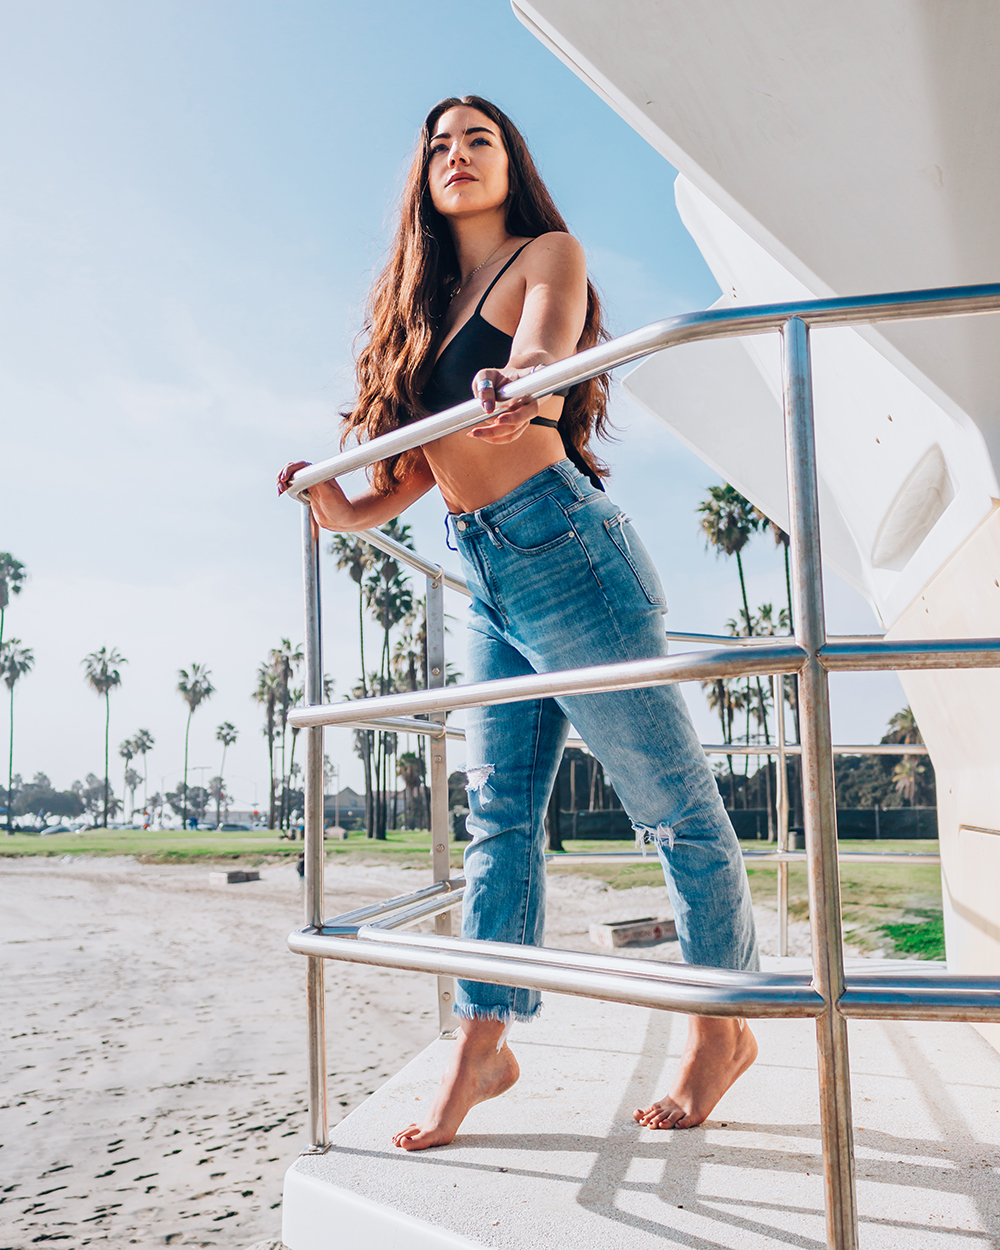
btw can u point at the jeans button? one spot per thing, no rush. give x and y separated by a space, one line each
461 525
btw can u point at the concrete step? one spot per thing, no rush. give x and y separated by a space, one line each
558 1163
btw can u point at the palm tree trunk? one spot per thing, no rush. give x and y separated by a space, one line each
291 774
187 731
366 759
10 765
729 739
746 758
107 733
788 588
746 613
270 758
382 823
222 771
361 639
721 695
284 778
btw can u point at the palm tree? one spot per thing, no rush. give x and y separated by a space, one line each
410 770
297 697
781 539
389 596
152 806
354 555
285 659
719 695
905 776
12 577
903 728
217 791
127 752
102 675
132 779
193 685
15 661
266 694
728 522
143 742
227 733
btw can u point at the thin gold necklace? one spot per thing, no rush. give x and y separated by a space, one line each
465 280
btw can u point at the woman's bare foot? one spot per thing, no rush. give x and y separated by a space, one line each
476 1071
717 1053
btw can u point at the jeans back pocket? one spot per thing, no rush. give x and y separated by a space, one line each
620 531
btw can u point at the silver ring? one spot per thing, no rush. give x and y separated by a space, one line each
484 385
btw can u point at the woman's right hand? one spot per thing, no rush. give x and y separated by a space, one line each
332 510
288 472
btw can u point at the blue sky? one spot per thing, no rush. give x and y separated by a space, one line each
196 195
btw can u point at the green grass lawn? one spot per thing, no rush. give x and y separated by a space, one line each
182 846
890 907
884 906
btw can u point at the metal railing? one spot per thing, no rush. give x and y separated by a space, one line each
367 936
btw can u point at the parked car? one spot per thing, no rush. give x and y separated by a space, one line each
246 828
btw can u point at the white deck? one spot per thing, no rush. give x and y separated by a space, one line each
558 1161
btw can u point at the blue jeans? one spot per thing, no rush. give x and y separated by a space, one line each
560 580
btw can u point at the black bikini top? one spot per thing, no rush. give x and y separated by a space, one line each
480 345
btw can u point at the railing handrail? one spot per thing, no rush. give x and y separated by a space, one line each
414 560
632 674
713 323
831 997
711 991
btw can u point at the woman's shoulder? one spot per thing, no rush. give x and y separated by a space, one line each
554 252
555 243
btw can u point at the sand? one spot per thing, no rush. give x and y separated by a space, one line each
153 1060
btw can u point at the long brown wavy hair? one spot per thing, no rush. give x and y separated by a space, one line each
409 299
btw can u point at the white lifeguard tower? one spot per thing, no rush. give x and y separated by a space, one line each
827 152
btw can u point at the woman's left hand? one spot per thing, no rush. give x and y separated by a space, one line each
512 418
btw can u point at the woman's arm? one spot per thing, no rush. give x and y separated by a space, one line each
552 320
332 510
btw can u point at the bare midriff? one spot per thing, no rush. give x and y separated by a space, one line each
471 475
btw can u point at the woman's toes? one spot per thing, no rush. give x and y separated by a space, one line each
659 1116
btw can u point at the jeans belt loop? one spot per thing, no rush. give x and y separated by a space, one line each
570 480
493 538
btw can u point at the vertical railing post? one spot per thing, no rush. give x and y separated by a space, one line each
781 803
438 747
818 802
314 819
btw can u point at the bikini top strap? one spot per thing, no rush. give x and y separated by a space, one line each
486 293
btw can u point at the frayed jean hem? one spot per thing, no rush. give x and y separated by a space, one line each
502 1015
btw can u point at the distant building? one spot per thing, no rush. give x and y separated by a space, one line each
352 808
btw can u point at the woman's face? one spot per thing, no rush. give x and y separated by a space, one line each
467 171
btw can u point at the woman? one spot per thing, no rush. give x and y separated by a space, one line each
484 285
